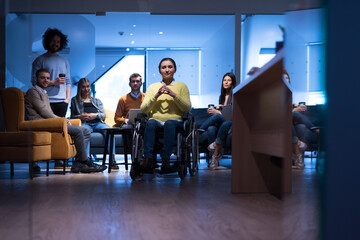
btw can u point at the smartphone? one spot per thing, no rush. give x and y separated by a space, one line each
211 106
302 103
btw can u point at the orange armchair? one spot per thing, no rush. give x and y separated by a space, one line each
61 144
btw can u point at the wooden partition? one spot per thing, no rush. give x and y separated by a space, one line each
262 121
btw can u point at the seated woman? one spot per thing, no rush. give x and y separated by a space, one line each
301 132
217 121
302 135
89 110
165 103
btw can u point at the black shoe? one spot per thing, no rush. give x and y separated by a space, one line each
87 167
99 168
167 169
36 167
59 164
165 166
146 166
143 169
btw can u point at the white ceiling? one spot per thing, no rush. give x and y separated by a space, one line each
142 29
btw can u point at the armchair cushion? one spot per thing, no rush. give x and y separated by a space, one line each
25 138
25 146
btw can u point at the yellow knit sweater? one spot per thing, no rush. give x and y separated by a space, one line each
166 107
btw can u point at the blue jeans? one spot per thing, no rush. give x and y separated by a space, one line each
301 128
96 127
211 125
214 120
152 126
223 132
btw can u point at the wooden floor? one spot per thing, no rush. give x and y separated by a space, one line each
103 206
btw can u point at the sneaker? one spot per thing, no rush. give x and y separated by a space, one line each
114 164
302 145
87 167
59 164
298 161
36 167
146 166
97 167
215 161
211 147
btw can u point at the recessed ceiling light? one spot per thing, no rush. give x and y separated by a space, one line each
134 25
131 34
161 33
127 49
132 42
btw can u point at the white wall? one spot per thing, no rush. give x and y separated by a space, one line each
217 58
304 28
259 31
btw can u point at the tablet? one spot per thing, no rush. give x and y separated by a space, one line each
133 114
226 111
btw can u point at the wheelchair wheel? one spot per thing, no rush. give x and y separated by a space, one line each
134 171
194 146
137 148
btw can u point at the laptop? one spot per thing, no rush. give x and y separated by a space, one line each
227 113
133 114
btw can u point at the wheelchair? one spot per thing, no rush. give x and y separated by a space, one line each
186 149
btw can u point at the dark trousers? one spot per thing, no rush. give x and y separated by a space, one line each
59 108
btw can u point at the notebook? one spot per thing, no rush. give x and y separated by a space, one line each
226 111
133 114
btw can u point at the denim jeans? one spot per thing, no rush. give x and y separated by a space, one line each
301 128
81 137
96 127
214 120
152 126
211 125
223 132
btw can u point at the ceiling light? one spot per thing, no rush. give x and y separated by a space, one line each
132 42
131 34
134 25
127 49
161 33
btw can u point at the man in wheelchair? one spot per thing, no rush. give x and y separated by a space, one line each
165 103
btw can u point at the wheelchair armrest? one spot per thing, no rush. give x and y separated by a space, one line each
186 116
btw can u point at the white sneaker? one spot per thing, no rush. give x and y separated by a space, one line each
211 147
302 145
215 161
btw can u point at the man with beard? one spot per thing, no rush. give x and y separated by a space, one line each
60 82
59 87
